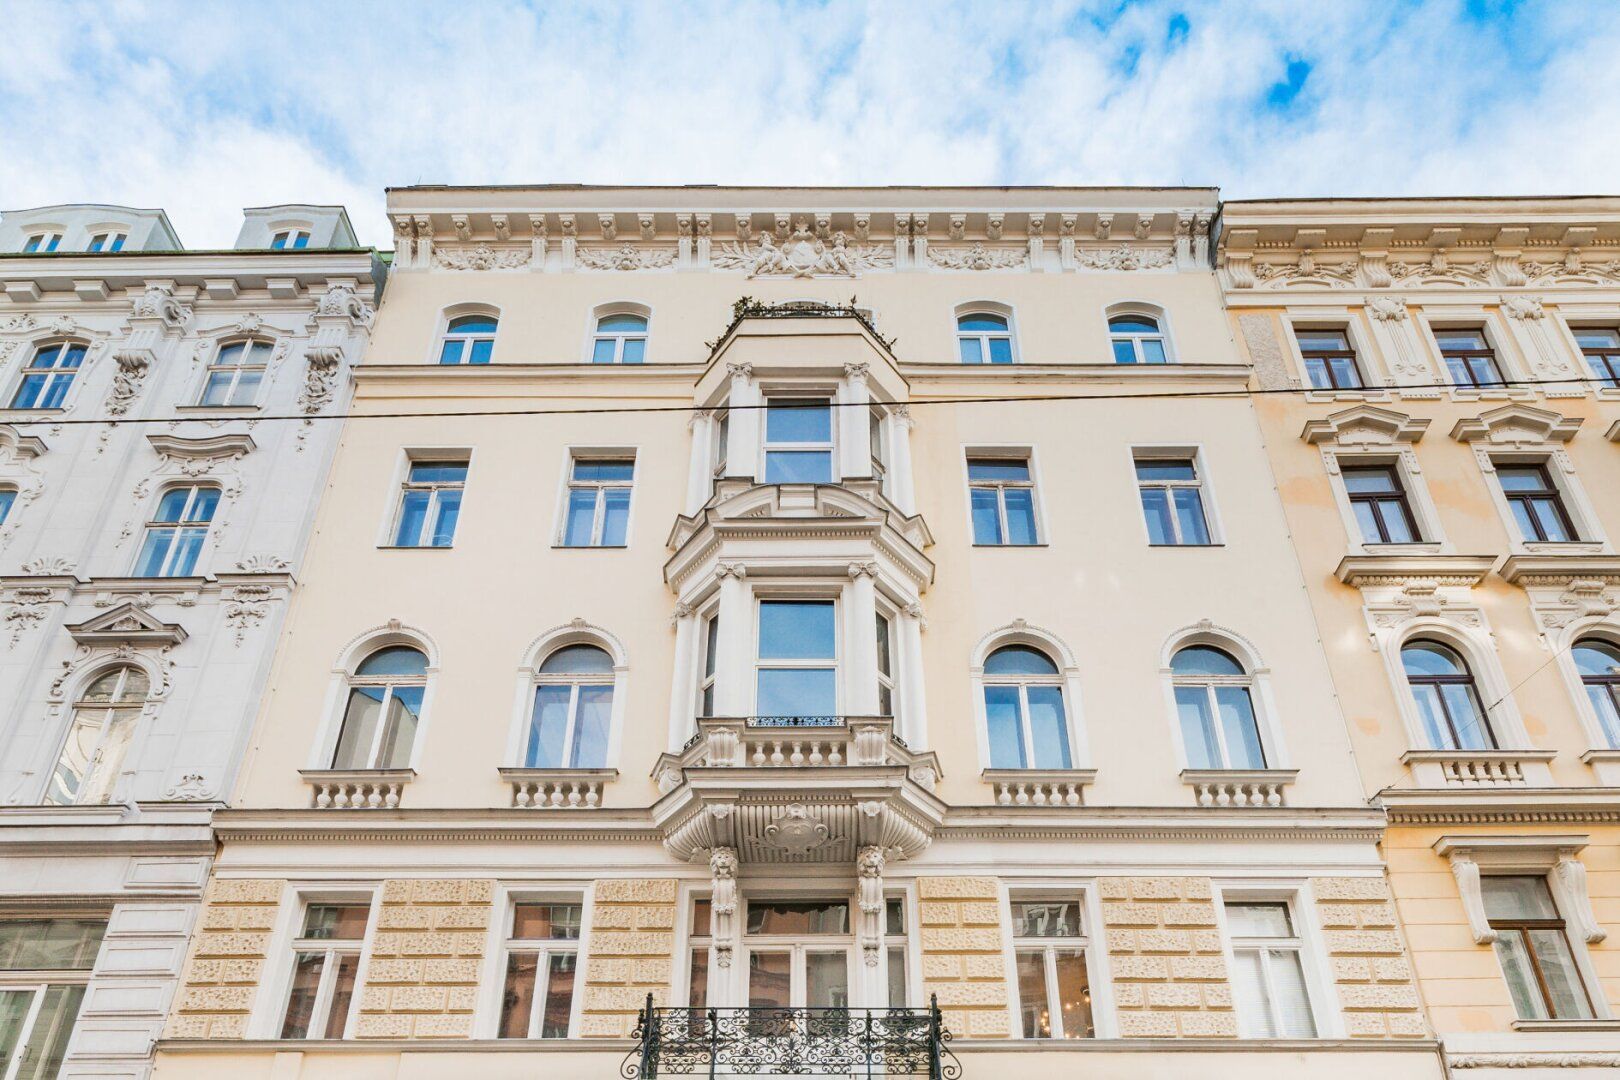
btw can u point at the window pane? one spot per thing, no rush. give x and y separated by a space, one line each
403 711
559 996
798 467
1472 731
1047 729
894 916
394 660
247 388
1567 995
1396 521
634 324
882 631
1009 469
602 352
545 922
798 420
591 736
581 517
1249 994
1429 658
438 472
796 692
53 1027
1074 994
188 546
444 529
1606 704
1239 727
359 728
1124 351
154 553
603 469
1547 513
1019 660
971 350
798 917
1156 509
1197 727
1520 976
412 513
1370 481
336 922
473 324
1001 350
826 976
1046 918
1345 372
337 1013
1293 1004
1133 324
770 978
578 660
897 977
1258 920
49 944
1020 504
986 516
1517 897
697 993
517 995
1367 523
481 351
1165 469
635 350
982 322
1153 351
1316 368
797 630
1004 726
548 727
1431 713
1032 1004
1190 516
306 983
218 388
1597 658
615 516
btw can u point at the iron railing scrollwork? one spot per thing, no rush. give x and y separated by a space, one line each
781 1041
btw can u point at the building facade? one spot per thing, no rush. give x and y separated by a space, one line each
1441 403
787 608
161 454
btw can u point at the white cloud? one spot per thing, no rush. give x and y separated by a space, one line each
206 108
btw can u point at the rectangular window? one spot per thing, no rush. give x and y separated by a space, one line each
290 239
1379 502
175 535
1172 501
1601 347
430 503
701 941
879 458
1534 950
44 966
598 502
542 956
1001 492
885 665
1469 358
48 376
1268 978
1537 504
1330 359
42 242
1049 949
326 959
711 651
797 672
107 242
722 440
235 374
894 946
798 441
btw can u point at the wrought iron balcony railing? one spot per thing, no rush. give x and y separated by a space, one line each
779 1041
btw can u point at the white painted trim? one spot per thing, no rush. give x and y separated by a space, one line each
354 651
1268 719
1054 648
577 632
270 1003
1157 312
997 308
1297 894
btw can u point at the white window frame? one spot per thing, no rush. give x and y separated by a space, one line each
277 991
888 681
1595 627
1589 533
829 447
38 981
528 677
290 235
1049 946
113 240
1509 363
574 681
43 242
77 704
546 948
402 483
30 350
708 669
984 337
1570 318
1206 491
689 943
839 662
899 941
608 311
1301 902
1140 309
1048 643
577 454
798 948
388 683
251 347
178 526
1267 718
354 651
445 336
8 506
1024 454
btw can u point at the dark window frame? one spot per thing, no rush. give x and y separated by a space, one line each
1325 357
1522 928
1467 359
1465 679
1549 491
1376 500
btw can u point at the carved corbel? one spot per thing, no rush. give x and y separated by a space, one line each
1144 226
424 241
569 225
784 226
705 237
537 241
863 226
1571 874
919 239
824 226
502 226
1240 269
722 902
463 226
133 365
1104 227
993 225
683 239
404 241
1466 871
609 226
745 227
1066 226
869 870
958 227
1037 241
647 225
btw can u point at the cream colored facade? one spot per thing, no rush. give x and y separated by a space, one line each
1535 797
1113 841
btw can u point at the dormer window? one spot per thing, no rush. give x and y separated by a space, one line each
42 242
107 241
798 441
290 240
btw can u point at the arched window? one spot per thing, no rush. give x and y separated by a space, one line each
1138 338
468 339
236 371
573 710
620 339
1216 708
984 338
175 535
1447 699
1026 722
1598 661
98 737
383 710
49 375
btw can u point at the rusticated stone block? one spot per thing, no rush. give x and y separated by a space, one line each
467 917
655 917
1407 1025
396 891
450 971
1194 888
1155 888
941 966
461 998
187 1027
417 999
1130 995
401 917
216 943
450 1026
233 1026
1361 941
227 971
478 890
605 1025
394 971
984 966
1147 1025
1217 996
637 944
1378 997
1206 941
1197 967
614 998
1173 996
971 993
1140 967
1208 1025
1189 913
437 891
988 1024
1131 914
1391 969
941 940
374 999
635 891
245 891
1350 969
956 888
652 970
1339 916
1350 888
980 913
1377 916
1164 941
938 913
1365 1025
1114 888
216 999
382 1026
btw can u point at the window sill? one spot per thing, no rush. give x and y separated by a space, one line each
1194 546
1423 547
590 547
1223 788
1017 547
557 789
415 547
218 410
1566 1025
1562 547
357 789
1475 769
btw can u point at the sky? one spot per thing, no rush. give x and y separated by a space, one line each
208 106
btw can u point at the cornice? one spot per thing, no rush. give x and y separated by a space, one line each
683 374
1501 806
1558 570
1361 571
1202 374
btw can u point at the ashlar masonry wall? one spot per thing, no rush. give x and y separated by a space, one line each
426 958
1166 960
630 953
227 960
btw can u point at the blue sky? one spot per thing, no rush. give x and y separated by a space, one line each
208 106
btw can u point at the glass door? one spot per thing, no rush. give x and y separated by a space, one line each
35 1025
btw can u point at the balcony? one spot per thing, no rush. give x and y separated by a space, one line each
1479 768
357 789
1223 788
558 789
783 1041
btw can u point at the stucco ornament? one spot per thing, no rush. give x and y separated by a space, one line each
802 255
1125 257
979 257
481 257
158 302
128 379
341 299
626 257
246 609
320 378
722 901
796 832
869 869
26 610
48 566
1387 308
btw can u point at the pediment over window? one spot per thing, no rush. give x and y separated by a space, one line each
127 624
206 449
17 446
1517 426
1365 427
